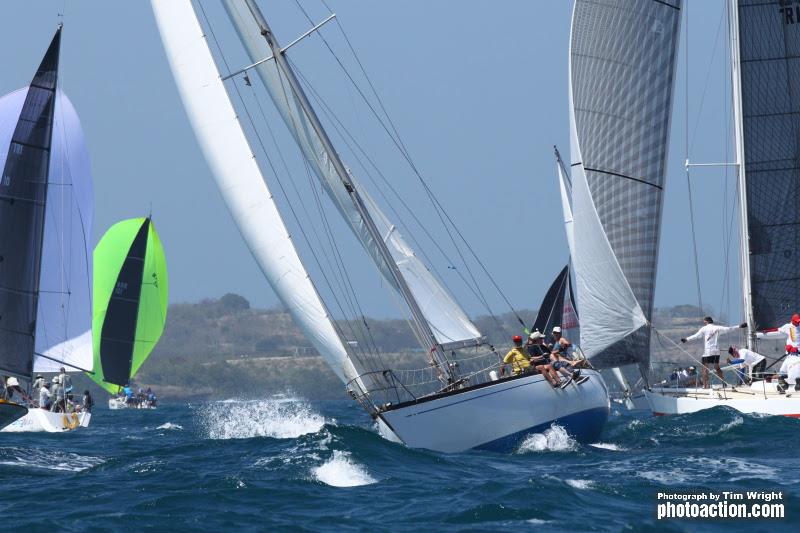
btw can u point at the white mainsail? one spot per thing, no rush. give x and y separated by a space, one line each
449 323
566 204
240 180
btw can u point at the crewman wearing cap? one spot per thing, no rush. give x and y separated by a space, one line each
516 357
791 332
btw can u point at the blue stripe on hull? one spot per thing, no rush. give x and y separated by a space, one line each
584 426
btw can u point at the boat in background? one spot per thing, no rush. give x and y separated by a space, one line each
131 295
452 403
765 82
46 211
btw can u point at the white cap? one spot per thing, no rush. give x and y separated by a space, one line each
557 329
535 335
12 382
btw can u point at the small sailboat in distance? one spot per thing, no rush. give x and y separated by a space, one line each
456 402
46 210
131 291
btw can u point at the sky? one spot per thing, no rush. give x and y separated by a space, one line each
478 92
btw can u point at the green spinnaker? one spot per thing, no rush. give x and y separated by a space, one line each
115 257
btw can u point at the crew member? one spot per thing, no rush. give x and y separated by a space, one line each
540 358
516 357
791 332
710 333
744 358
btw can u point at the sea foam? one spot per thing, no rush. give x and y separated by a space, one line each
243 419
341 471
555 439
47 459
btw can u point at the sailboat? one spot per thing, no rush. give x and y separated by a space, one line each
623 57
46 210
130 304
765 107
452 403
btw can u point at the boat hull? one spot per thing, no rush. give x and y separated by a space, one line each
10 412
761 398
500 415
41 420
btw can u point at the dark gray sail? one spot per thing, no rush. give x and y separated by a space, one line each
622 67
551 310
23 193
769 49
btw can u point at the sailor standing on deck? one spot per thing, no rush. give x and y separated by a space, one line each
710 333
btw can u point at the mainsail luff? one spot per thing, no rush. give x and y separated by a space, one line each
765 53
450 325
240 180
622 62
23 198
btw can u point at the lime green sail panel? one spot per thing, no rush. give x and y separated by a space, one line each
130 300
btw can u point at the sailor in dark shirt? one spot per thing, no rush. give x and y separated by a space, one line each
540 357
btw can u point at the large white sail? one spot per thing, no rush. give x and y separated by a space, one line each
240 180
449 323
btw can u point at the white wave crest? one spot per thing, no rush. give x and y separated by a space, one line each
48 460
244 419
170 425
555 439
341 471
609 446
581 484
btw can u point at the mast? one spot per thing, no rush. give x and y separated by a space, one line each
423 329
23 200
744 246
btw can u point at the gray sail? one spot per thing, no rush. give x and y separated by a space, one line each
622 66
769 51
23 194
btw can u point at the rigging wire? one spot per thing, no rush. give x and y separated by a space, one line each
686 158
258 136
443 215
351 142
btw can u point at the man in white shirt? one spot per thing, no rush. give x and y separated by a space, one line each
747 359
710 333
791 332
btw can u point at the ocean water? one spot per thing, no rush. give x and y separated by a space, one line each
284 463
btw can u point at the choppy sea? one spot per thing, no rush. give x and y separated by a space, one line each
284 463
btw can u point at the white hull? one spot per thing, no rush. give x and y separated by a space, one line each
42 420
760 397
117 403
499 415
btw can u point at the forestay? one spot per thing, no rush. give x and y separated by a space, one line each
622 65
447 320
769 51
240 180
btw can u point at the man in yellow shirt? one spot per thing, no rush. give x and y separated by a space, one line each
517 358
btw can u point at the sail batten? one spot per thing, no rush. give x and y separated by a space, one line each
622 65
445 318
240 180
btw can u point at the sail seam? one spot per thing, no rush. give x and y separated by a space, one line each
639 180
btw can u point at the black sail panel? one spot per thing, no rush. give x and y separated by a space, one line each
119 327
23 193
769 37
551 310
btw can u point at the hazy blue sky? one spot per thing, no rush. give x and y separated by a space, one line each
478 90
